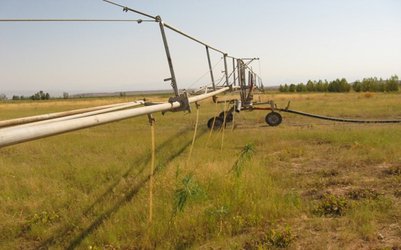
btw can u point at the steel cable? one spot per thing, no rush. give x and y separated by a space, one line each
208 72
75 20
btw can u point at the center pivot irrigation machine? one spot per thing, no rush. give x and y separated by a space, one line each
242 80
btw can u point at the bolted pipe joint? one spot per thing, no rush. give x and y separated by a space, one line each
183 100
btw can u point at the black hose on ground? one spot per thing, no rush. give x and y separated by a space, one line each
337 119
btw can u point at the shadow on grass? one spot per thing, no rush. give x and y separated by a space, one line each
128 194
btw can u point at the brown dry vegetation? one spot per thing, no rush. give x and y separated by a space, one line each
309 184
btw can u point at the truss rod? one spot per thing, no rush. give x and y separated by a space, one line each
192 38
171 28
125 8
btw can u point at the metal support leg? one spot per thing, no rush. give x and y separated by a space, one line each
170 62
225 68
234 80
210 67
241 80
239 72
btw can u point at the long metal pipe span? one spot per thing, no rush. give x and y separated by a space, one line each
69 117
29 119
15 135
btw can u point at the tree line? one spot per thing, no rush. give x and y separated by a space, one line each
37 96
372 84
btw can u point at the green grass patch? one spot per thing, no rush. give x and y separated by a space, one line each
335 185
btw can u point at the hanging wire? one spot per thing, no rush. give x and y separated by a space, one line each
260 75
75 20
220 80
223 78
231 73
236 77
206 73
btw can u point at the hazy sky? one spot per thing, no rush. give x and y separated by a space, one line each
296 40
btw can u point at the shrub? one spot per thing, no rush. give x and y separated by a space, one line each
393 170
362 193
392 84
275 237
368 95
339 86
280 237
332 206
40 96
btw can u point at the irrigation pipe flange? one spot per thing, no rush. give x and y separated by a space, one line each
183 100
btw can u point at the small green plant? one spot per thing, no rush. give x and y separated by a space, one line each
275 237
362 193
332 206
285 180
330 173
245 155
188 190
393 170
368 95
219 214
280 237
44 218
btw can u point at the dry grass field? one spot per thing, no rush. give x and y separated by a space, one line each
306 184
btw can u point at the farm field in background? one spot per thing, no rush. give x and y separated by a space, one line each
306 184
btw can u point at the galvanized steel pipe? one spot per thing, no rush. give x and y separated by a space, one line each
101 111
17 135
24 120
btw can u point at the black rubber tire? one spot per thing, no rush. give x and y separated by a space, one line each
218 123
273 119
229 116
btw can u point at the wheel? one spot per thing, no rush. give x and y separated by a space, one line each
273 119
218 122
229 116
